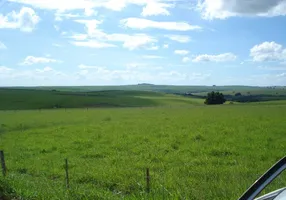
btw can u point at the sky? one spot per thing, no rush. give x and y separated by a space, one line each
120 42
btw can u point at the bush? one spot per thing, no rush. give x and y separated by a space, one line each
215 98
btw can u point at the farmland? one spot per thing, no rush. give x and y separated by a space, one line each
193 151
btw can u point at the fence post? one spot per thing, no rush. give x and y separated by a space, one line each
67 174
4 169
147 180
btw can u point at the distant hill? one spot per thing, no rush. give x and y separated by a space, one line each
150 87
54 98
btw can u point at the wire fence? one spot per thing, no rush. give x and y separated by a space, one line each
73 180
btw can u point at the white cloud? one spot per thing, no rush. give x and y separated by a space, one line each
152 57
221 9
91 25
152 48
60 15
2 46
46 69
225 57
30 60
139 23
57 45
77 36
136 73
132 42
181 52
90 12
101 39
4 69
152 7
57 5
81 66
26 20
165 46
268 51
273 68
186 59
57 27
92 44
281 75
156 8
179 38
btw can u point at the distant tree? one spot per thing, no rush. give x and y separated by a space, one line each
215 98
238 94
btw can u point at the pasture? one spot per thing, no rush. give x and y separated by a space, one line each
193 152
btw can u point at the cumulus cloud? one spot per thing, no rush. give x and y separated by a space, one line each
135 73
281 75
4 69
96 38
139 23
26 20
2 45
186 59
221 9
30 60
152 57
165 46
57 45
151 7
92 44
225 57
91 25
60 15
156 8
268 51
181 52
179 38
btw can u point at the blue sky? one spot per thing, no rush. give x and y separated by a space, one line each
116 42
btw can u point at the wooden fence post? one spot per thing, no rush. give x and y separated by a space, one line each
67 174
4 169
147 180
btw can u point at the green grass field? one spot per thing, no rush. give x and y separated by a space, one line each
150 87
27 99
193 152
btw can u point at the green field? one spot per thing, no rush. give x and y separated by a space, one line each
150 87
25 99
193 152
111 136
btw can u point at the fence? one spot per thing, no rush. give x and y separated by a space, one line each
67 182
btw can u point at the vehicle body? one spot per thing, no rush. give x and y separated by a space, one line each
265 180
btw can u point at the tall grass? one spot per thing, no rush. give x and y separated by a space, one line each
196 152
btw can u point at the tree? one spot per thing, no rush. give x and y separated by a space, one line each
237 94
214 98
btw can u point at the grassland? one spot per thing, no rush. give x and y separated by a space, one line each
149 87
193 152
25 99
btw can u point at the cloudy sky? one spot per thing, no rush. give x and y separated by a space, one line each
112 42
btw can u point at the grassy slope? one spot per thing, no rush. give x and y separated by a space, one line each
191 153
35 99
157 88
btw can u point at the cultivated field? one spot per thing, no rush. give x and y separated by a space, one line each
193 152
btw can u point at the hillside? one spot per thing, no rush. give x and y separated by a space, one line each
148 87
23 99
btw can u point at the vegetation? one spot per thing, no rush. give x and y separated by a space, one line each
190 155
25 99
150 87
215 98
